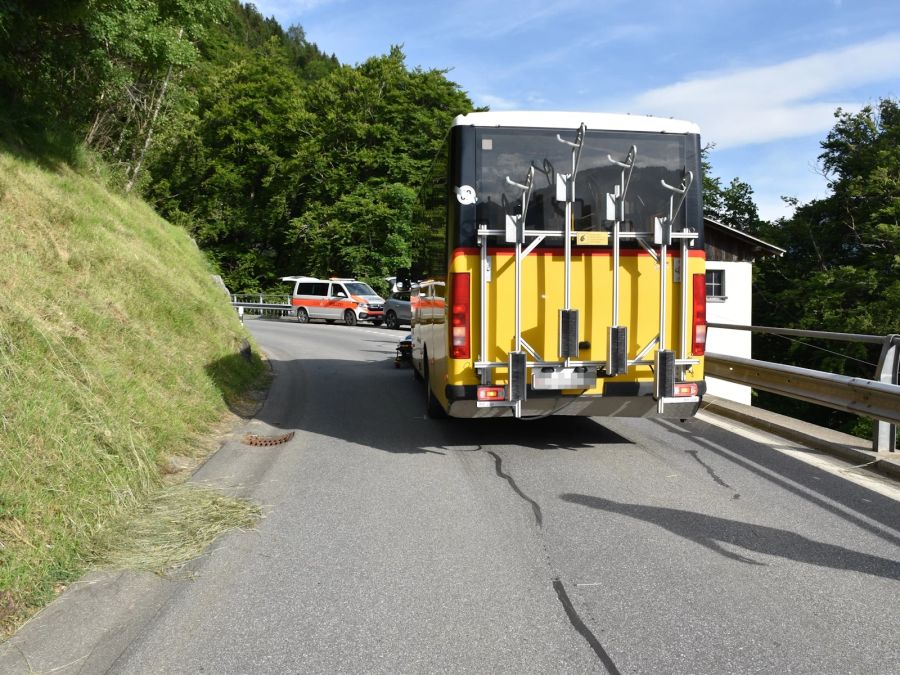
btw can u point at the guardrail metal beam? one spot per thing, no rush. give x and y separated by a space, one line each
795 332
869 398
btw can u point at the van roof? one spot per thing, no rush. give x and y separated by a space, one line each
315 279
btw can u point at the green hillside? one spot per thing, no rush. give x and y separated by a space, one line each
117 350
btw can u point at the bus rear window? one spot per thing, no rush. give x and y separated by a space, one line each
508 153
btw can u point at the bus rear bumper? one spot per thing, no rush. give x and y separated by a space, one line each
637 402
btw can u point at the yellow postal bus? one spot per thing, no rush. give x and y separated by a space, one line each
561 266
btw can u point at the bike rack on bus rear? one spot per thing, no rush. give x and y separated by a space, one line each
570 372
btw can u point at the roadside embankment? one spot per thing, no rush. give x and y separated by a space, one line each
117 353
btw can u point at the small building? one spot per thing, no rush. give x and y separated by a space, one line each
730 254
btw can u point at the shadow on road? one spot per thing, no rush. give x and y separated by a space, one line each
711 532
380 406
818 487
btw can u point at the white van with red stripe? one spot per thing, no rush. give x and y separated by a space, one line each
345 300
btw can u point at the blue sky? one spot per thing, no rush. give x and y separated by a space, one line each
761 78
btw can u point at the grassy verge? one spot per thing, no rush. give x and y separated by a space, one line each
117 351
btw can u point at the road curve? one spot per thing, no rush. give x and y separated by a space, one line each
397 544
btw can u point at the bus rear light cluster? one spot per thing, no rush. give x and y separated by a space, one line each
460 315
491 393
698 343
687 389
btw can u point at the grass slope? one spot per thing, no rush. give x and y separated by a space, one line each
116 351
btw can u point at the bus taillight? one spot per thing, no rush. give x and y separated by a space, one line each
686 389
460 313
698 344
489 393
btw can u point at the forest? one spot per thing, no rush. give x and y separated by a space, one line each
280 160
275 157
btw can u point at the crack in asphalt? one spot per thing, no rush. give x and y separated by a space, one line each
535 507
712 473
571 614
582 629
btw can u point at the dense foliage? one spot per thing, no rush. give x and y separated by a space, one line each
99 69
732 205
276 158
841 271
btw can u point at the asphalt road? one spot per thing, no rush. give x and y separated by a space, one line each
397 544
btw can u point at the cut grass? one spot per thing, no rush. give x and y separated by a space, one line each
170 529
117 350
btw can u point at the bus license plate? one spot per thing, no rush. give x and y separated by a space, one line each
564 378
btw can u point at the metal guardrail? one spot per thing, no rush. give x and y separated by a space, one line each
878 398
261 302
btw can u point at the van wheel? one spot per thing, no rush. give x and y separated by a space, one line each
302 315
433 408
350 318
390 320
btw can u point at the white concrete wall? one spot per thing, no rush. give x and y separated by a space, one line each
737 308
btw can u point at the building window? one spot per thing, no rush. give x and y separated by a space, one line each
715 285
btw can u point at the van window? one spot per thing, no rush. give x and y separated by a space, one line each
337 291
312 288
359 288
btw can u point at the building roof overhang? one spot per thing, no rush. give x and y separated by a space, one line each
758 247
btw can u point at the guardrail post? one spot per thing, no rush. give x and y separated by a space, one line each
885 437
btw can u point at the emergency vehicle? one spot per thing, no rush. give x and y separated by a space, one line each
345 300
562 268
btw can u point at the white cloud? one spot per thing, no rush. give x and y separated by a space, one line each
794 98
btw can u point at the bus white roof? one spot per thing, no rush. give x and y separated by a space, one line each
573 120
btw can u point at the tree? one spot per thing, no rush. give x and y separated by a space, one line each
377 129
732 205
232 160
843 251
100 69
235 178
142 48
841 269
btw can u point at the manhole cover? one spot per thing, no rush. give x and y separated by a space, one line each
265 441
